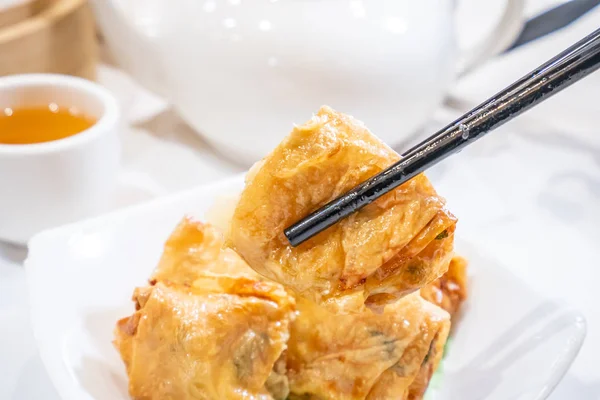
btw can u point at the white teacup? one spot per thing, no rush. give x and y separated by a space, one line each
48 184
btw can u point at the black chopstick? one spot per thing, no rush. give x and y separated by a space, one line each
568 67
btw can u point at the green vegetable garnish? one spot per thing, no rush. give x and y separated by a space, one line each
442 235
436 379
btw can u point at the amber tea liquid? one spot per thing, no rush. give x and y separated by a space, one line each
40 124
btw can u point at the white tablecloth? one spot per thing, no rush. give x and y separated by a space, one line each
529 194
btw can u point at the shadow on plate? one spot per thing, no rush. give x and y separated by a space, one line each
100 376
93 377
570 387
483 374
15 253
34 371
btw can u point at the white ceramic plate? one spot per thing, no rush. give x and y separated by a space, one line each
509 344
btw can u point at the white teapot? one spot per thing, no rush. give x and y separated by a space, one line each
242 71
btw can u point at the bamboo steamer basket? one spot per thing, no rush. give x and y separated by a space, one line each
49 36
22 10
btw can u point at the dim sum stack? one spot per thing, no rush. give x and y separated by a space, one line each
358 312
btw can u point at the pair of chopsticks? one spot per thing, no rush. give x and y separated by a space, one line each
566 68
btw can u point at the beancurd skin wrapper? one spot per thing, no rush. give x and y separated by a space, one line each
207 327
194 249
436 256
185 343
362 254
450 290
366 355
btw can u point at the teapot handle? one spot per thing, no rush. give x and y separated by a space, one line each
498 38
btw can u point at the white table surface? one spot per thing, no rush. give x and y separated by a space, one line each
529 194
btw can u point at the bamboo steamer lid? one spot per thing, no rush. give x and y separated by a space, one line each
51 36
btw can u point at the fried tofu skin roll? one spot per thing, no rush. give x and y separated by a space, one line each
390 248
206 328
366 356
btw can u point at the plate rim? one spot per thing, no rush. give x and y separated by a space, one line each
64 383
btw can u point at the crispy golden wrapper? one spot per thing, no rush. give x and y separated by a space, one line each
366 356
450 290
390 248
209 327
194 249
200 334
